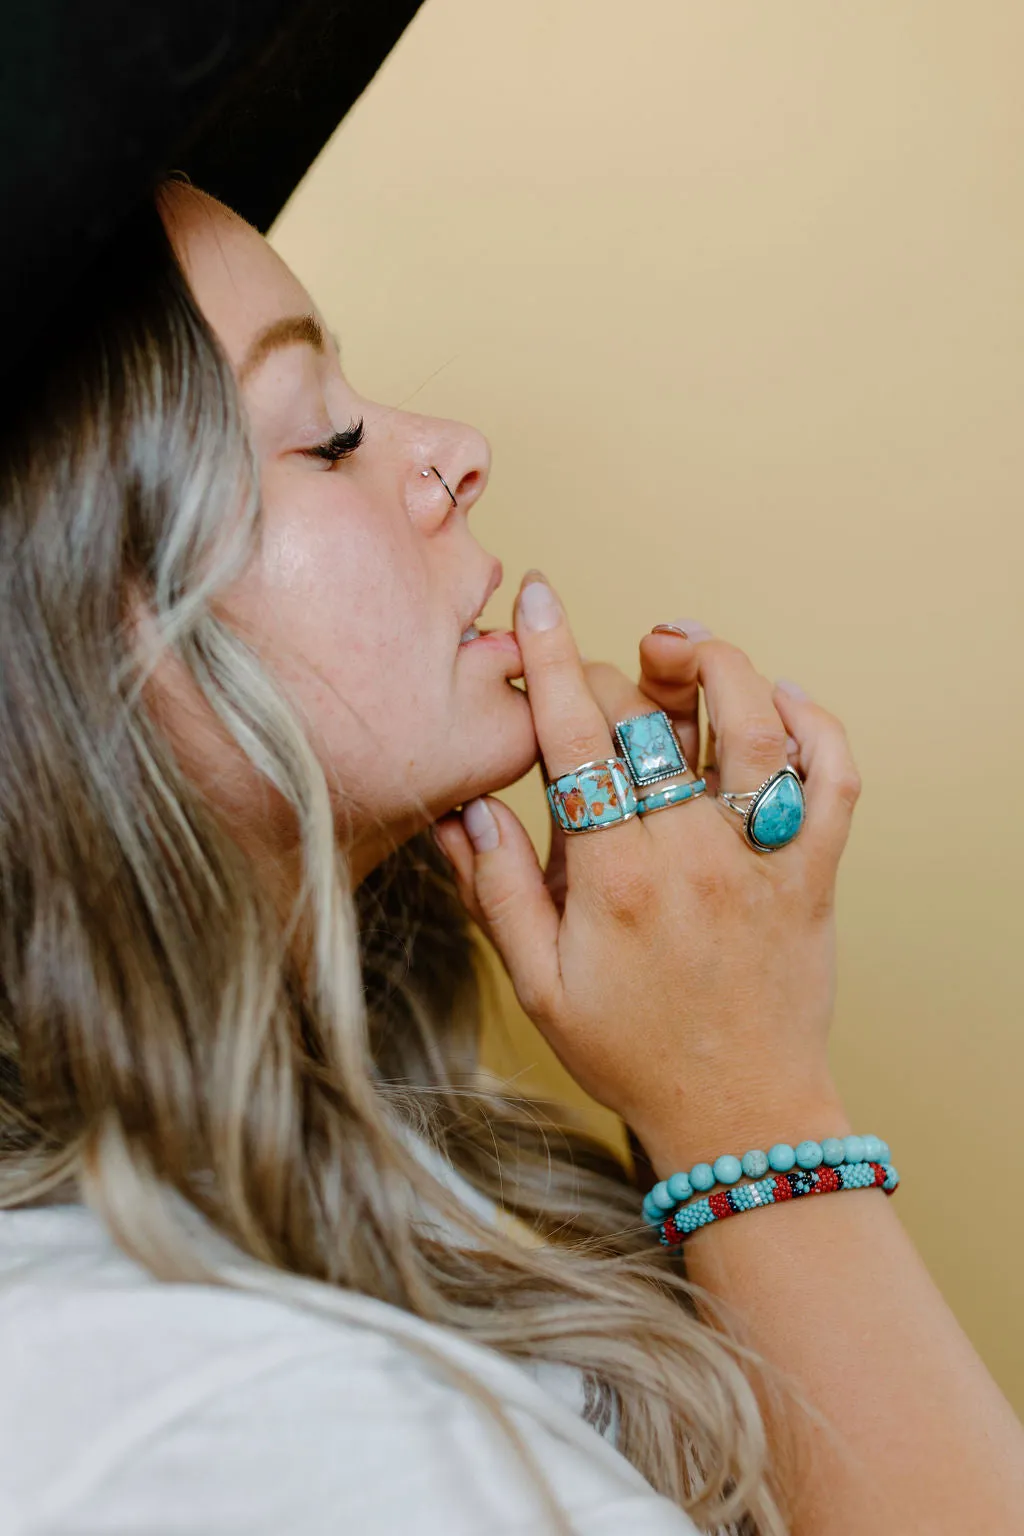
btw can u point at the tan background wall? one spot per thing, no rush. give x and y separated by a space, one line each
745 277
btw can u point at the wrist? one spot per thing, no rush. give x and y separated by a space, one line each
703 1132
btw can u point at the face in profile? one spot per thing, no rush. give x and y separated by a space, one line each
368 577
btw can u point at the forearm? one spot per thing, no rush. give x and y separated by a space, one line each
832 1292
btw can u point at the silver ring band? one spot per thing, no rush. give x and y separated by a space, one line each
672 794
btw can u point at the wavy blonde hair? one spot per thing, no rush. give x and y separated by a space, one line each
163 1057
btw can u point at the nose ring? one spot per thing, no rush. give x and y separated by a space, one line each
426 475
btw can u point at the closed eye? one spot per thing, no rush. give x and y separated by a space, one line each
338 446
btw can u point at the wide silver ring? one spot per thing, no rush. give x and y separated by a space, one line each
773 814
594 796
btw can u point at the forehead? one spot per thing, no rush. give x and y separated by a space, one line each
239 282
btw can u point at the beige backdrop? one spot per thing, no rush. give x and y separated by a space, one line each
743 280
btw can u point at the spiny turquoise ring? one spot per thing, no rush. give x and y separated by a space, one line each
595 796
773 814
672 794
650 747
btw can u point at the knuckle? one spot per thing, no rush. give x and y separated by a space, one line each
761 742
627 893
577 744
499 907
710 880
822 902
537 998
849 786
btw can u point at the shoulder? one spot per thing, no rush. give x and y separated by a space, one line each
170 1408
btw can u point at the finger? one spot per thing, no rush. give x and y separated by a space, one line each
617 697
831 780
621 699
669 677
570 727
555 872
749 733
501 883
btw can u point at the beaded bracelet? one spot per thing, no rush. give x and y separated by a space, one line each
702 1177
772 1191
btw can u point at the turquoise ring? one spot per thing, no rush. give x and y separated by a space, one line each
594 796
773 814
673 794
650 747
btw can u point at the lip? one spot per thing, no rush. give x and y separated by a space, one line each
493 583
497 642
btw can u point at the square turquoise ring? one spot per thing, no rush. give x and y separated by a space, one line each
651 747
595 796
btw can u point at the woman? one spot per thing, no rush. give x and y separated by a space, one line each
242 678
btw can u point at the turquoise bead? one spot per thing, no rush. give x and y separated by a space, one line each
853 1146
809 1154
832 1152
679 1187
660 1197
884 1156
872 1149
702 1176
727 1169
754 1164
651 1214
781 1157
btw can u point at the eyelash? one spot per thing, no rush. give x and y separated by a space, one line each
340 446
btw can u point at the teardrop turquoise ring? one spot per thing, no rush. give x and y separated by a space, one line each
773 814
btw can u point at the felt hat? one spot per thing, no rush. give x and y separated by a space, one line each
99 98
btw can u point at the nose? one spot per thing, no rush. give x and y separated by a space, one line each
462 458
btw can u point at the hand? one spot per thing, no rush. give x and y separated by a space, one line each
687 982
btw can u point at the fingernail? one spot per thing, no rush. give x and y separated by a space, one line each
538 605
693 629
479 822
793 689
670 629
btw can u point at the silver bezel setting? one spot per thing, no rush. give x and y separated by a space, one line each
653 778
755 796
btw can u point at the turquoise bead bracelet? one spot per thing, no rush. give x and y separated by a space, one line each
833 1152
675 1229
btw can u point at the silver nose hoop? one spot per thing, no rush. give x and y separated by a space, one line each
426 473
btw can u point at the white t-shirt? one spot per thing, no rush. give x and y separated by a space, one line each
131 1407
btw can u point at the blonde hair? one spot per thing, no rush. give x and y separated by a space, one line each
162 1054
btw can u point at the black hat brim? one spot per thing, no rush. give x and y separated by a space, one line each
97 101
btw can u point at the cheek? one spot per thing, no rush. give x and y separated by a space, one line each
340 608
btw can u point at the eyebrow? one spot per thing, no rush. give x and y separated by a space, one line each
302 329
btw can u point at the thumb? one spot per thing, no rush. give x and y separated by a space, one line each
502 885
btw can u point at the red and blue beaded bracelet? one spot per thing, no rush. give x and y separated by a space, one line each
778 1187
